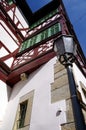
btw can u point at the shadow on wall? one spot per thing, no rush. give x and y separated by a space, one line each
19 86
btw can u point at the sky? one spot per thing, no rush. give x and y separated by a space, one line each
37 5
76 10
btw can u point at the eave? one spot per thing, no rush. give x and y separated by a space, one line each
33 17
28 68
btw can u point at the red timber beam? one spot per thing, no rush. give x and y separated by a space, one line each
28 68
12 7
10 54
30 61
4 71
3 76
9 22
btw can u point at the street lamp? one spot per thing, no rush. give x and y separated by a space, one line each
65 49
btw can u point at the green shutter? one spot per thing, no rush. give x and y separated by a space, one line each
44 18
10 2
41 36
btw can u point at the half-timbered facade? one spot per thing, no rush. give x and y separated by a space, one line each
36 91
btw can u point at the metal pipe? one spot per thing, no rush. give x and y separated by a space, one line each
78 115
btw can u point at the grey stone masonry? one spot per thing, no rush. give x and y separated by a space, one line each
60 91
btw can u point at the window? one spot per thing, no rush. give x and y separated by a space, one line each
22 113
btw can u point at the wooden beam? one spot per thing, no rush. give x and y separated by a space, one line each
5 69
3 77
28 68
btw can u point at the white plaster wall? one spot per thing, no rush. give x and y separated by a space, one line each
4 96
79 77
43 112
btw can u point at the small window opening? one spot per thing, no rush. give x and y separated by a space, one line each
22 114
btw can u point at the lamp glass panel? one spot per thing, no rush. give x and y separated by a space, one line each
60 46
68 44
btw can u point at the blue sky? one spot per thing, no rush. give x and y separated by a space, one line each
37 5
76 10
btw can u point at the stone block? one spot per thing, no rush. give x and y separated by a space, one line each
58 67
60 73
60 94
24 128
59 82
68 126
69 111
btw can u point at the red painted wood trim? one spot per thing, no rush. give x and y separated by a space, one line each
3 77
14 77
